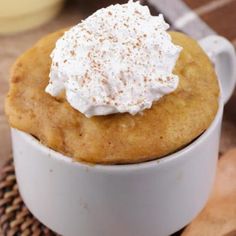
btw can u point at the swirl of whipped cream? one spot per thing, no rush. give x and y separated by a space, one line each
120 59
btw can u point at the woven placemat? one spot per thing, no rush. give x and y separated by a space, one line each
15 218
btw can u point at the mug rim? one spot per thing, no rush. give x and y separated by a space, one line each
119 167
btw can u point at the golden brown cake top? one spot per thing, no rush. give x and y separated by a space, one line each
172 122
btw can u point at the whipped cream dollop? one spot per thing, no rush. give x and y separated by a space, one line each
120 59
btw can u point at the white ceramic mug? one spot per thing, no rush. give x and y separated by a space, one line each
154 198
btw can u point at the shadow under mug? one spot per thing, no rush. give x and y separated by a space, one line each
154 198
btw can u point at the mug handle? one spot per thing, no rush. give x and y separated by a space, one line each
222 54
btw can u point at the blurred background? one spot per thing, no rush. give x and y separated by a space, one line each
24 22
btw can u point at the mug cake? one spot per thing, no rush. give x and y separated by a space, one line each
116 88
